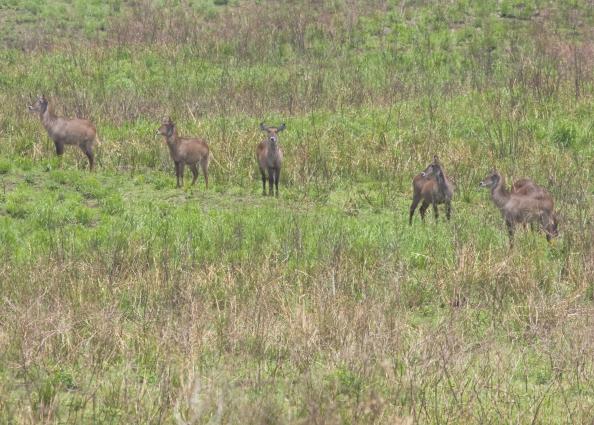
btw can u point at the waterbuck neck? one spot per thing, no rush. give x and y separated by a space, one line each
48 119
172 139
440 178
499 193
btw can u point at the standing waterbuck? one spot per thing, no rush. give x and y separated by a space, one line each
185 150
270 157
533 206
433 187
64 131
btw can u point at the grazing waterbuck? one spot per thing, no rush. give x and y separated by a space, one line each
522 208
64 131
433 187
185 150
270 157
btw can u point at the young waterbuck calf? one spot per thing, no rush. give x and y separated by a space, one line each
434 188
63 131
190 151
533 206
270 157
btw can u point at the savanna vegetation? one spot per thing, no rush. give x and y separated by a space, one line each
126 300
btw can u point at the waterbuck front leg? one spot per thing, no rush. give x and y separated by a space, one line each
263 174
59 151
270 181
177 172
510 231
59 148
181 172
276 179
435 211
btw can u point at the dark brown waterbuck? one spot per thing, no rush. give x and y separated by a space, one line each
532 206
185 151
270 158
64 131
433 188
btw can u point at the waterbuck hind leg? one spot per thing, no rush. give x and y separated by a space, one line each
422 210
413 207
204 166
271 181
88 150
194 170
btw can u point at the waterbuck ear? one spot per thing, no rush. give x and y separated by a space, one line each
281 128
263 127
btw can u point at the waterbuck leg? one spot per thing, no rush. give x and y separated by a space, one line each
270 181
181 172
263 181
423 208
204 166
90 155
276 179
413 207
59 148
435 212
510 232
177 164
194 170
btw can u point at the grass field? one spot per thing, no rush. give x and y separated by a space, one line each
126 300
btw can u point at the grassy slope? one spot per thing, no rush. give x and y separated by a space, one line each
125 299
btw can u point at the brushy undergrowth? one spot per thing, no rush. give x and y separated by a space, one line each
125 300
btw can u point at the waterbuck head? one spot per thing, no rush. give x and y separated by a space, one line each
432 169
40 105
272 133
491 180
167 128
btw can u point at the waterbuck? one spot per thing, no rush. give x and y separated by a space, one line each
64 131
190 151
521 207
433 187
270 157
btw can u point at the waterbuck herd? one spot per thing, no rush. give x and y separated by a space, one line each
526 203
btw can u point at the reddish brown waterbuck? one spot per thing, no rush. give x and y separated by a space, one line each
185 151
433 188
532 206
270 158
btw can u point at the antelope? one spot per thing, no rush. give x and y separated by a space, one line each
525 208
184 150
270 157
529 188
434 188
64 131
